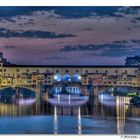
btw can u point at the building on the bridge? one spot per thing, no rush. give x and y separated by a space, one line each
16 75
3 60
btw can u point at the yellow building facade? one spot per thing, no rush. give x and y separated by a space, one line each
15 75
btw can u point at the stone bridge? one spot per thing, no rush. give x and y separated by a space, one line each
35 89
93 90
99 89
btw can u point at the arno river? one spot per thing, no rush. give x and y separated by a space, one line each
100 115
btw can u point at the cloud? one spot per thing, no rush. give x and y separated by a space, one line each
88 29
121 52
135 20
84 33
136 41
136 26
129 10
69 11
115 49
9 47
6 11
138 18
55 58
31 34
90 47
121 41
9 20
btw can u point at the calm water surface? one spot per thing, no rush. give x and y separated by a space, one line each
101 115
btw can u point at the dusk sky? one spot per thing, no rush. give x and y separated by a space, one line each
69 35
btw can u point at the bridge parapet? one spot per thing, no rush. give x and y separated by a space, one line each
26 87
100 89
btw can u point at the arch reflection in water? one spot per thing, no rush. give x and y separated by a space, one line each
21 96
76 90
26 101
57 89
73 90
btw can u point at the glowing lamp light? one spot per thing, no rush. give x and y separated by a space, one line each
76 78
67 78
79 77
57 77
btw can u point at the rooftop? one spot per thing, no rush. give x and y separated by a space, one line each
75 66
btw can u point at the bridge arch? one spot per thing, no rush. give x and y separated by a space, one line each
122 89
14 89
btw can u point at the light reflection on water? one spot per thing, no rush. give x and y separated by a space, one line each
101 115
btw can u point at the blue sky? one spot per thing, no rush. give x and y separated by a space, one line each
69 35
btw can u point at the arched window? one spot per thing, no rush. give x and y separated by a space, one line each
57 77
76 78
67 78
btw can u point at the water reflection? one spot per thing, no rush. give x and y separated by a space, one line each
55 120
25 101
105 114
121 109
79 121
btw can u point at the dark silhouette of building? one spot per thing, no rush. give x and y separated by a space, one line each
3 60
132 61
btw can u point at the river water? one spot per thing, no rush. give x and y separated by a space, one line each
100 115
